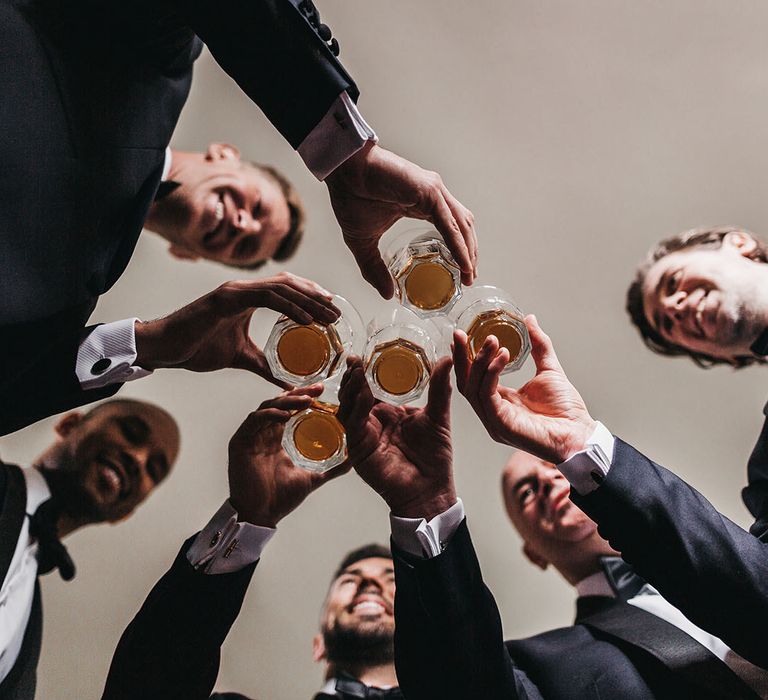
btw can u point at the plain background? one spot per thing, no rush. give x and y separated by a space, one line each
579 133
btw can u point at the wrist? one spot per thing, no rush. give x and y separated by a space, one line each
145 333
352 167
576 439
254 515
425 506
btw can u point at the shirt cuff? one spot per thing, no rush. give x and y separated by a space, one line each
340 134
420 538
106 355
226 545
587 469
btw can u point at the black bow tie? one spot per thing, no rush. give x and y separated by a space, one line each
51 553
349 688
624 582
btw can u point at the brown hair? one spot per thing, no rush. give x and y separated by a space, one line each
703 237
290 242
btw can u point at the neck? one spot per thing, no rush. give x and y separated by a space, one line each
381 676
67 523
583 559
160 217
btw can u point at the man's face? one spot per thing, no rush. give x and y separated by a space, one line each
536 498
224 210
114 459
359 612
705 300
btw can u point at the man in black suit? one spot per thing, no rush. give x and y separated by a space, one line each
627 641
171 648
91 93
704 564
101 467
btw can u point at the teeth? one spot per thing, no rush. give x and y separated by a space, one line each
369 606
112 477
700 312
219 210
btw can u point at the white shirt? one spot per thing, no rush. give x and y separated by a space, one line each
18 589
107 354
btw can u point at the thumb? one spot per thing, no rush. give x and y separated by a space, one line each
542 350
439 398
372 265
252 359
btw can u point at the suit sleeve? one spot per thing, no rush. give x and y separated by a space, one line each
274 53
715 572
755 494
448 636
171 649
37 374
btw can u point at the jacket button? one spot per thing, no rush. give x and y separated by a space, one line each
334 47
325 32
101 366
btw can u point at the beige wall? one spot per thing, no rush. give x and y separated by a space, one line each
579 132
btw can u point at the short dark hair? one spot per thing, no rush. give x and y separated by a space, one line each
298 215
368 551
703 237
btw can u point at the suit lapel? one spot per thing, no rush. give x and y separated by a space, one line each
690 661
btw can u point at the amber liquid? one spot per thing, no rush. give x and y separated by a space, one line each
305 350
498 323
399 366
318 435
428 285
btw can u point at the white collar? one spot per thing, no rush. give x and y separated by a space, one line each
167 164
37 489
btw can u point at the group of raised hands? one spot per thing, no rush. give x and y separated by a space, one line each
405 453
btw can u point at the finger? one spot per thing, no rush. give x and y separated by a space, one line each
480 366
261 417
489 382
297 304
542 350
466 221
372 265
461 361
307 286
252 359
439 397
355 400
311 390
445 222
288 402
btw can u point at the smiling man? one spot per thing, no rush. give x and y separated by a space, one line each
216 206
101 467
172 647
704 293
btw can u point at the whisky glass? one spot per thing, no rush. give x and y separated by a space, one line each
304 354
427 278
314 438
486 310
399 356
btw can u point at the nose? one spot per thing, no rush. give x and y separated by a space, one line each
246 223
371 584
674 304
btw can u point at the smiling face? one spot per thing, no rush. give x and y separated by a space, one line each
223 209
708 300
109 461
358 618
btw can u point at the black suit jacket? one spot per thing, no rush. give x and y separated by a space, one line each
448 643
90 93
20 682
172 648
714 571
755 493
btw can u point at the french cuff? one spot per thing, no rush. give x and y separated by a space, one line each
225 545
420 538
340 134
587 469
106 355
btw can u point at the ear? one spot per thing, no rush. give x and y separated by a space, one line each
741 243
534 557
222 151
68 423
318 648
182 253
